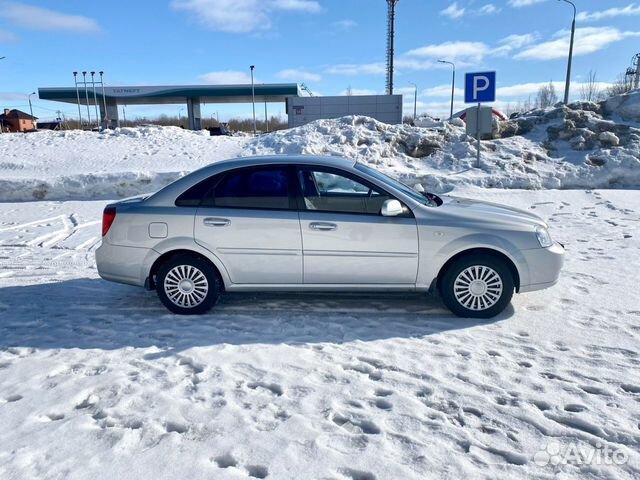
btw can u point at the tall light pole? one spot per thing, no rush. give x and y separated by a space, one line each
104 101
75 80
31 109
95 99
86 96
567 84
253 99
453 84
415 100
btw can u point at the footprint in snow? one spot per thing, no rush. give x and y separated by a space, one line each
271 387
356 425
356 474
575 408
257 471
225 461
382 392
383 404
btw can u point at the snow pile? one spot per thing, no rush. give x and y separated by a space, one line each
121 162
553 148
583 145
625 106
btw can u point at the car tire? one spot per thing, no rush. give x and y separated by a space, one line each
477 286
188 285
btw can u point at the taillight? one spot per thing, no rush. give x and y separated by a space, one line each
108 216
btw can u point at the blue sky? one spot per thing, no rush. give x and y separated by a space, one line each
328 44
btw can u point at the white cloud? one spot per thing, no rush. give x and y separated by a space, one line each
513 42
226 77
523 90
309 6
631 9
298 75
12 96
346 24
360 91
352 69
524 3
38 18
7 37
404 63
241 16
473 51
588 40
453 11
441 91
488 9
519 41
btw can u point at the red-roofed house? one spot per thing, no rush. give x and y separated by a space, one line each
17 121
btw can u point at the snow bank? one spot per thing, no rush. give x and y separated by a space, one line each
121 162
583 145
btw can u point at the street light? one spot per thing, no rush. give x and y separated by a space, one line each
415 101
453 84
253 99
567 84
31 107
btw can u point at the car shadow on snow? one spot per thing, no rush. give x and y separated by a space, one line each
92 313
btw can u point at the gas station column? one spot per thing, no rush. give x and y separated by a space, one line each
193 112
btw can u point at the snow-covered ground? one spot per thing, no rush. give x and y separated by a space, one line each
97 380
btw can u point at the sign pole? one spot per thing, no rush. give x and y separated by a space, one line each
478 136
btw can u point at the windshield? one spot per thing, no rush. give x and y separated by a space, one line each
423 198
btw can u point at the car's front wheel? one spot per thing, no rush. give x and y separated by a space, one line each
188 285
477 286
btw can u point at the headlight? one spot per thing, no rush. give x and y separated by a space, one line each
543 237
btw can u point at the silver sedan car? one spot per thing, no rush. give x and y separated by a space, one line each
310 223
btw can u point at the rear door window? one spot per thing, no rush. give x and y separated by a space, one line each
254 188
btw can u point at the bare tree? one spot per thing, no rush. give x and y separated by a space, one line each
590 90
623 84
547 96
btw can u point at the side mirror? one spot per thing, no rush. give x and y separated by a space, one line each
418 188
391 208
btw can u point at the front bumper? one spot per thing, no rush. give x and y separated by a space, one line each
544 267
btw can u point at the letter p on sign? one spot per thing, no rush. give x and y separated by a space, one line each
480 87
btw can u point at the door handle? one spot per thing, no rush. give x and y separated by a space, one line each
216 222
324 226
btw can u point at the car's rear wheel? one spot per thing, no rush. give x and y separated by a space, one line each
477 286
188 285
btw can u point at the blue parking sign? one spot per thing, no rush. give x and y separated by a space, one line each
480 87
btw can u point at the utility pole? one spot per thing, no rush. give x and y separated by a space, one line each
253 100
453 85
567 84
31 110
415 101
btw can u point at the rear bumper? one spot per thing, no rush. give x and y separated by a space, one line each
544 267
130 265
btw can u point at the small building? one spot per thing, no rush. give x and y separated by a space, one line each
17 121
